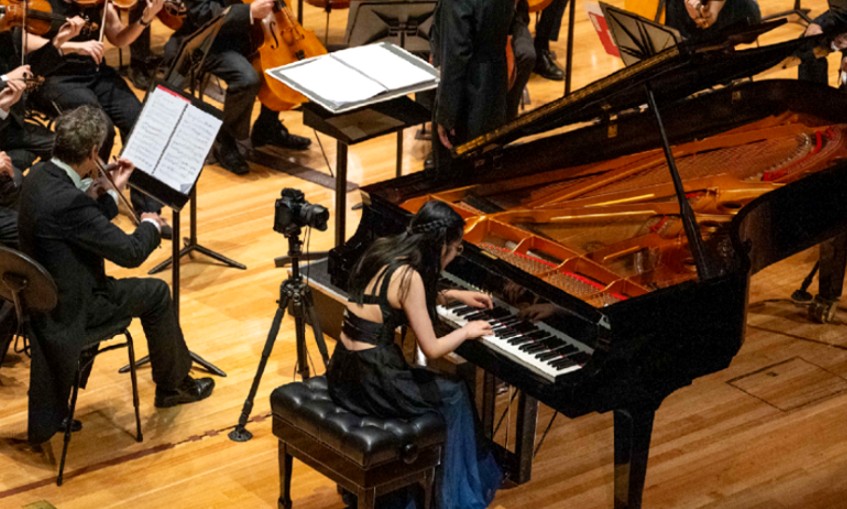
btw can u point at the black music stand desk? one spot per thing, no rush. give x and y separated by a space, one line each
355 126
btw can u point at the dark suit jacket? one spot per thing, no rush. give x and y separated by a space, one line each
70 235
236 33
468 43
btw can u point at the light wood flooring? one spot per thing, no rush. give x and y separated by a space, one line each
768 432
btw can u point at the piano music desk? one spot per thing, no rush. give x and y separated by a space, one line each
356 126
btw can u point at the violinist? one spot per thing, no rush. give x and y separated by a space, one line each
84 78
24 142
229 60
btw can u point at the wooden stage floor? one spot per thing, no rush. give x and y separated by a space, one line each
768 432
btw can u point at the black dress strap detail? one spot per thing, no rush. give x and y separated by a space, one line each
376 333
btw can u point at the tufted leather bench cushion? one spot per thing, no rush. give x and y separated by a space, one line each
367 441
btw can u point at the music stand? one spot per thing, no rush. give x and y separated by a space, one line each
637 37
405 23
187 68
188 65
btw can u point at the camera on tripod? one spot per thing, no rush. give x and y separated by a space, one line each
293 212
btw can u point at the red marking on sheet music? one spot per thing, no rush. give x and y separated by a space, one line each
602 29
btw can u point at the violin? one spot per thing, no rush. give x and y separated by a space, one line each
173 14
120 4
285 41
338 4
39 17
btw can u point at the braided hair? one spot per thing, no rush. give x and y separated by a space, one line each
434 226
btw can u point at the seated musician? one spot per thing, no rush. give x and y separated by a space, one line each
832 23
394 284
66 229
696 20
24 142
85 78
468 43
229 60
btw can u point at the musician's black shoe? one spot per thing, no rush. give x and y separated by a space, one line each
278 136
230 158
166 232
188 391
139 75
546 66
76 425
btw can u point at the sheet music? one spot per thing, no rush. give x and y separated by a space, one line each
171 139
324 75
383 66
355 77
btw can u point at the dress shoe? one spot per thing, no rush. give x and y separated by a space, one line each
166 232
139 75
278 136
230 158
188 391
546 66
76 425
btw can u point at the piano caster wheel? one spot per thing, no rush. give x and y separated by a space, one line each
822 310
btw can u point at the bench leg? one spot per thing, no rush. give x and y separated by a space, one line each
367 498
285 464
428 482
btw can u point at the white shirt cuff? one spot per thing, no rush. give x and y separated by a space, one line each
153 222
3 114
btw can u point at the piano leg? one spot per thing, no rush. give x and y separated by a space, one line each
633 428
518 463
833 257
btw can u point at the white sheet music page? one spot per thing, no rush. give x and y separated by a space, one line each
171 139
383 66
334 80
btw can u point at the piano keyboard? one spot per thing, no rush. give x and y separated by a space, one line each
546 351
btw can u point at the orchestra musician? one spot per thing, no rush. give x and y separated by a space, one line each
229 60
547 29
832 22
85 78
697 20
468 43
524 53
66 227
394 283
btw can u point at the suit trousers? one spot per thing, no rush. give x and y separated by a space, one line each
548 27
242 85
104 88
150 300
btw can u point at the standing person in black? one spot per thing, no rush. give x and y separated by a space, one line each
85 78
547 29
229 59
468 44
395 283
525 56
64 223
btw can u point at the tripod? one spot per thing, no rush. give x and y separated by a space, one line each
293 292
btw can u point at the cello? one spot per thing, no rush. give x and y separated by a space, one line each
284 41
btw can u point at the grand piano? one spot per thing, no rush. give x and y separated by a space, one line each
618 227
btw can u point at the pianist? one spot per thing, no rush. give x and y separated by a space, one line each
394 284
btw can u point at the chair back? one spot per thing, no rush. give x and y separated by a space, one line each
25 283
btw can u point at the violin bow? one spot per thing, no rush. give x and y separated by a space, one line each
104 170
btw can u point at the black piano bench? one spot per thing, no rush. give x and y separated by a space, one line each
364 455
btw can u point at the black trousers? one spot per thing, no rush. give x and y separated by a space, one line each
548 27
105 88
25 142
524 51
150 300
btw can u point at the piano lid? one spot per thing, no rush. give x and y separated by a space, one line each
673 74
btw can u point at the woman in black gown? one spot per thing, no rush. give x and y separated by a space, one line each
394 284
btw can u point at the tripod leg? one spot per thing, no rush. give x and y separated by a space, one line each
208 366
316 327
240 433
